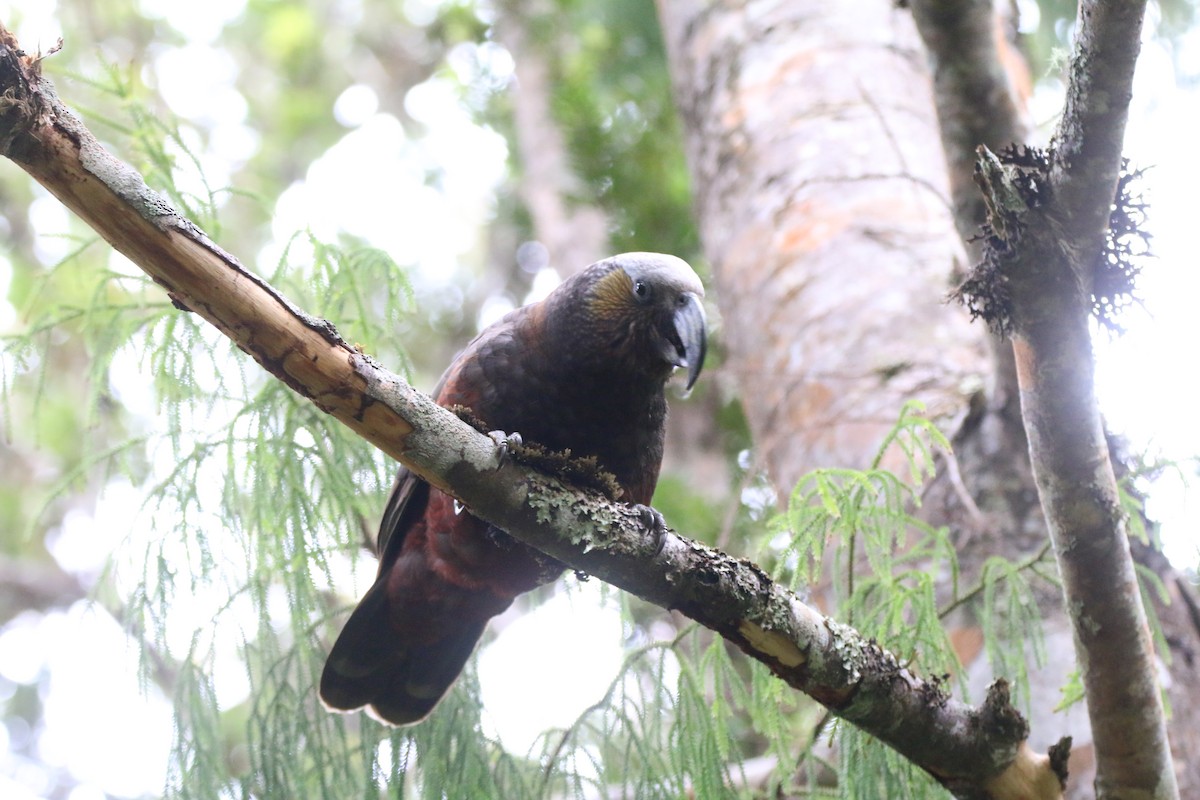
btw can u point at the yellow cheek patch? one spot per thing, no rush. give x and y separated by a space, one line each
612 296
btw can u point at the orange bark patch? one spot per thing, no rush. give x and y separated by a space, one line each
1026 362
807 229
967 643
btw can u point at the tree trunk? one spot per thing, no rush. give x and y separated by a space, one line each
825 214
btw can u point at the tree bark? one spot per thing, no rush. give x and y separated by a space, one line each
977 105
830 262
1048 220
975 752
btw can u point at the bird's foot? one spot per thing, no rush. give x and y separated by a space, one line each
506 444
653 521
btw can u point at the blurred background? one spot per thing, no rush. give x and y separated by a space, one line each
177 532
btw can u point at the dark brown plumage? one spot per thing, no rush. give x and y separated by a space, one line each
583 370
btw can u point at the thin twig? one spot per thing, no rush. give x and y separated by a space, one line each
1029 563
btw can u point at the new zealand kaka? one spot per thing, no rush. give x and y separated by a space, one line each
583 370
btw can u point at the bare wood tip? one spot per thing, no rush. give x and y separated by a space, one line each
1030 776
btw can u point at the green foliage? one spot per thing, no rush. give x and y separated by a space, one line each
868 770
1154 595
1010 616
267 549
614 104
256 500
1141 530
857 528
1072 691
349 281
156 145
854 533
868 515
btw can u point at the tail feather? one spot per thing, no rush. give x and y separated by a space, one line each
399 681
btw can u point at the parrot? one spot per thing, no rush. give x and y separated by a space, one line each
583 370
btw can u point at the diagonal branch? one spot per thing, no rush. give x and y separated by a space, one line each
976 752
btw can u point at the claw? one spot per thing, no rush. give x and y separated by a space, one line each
505 443
653 521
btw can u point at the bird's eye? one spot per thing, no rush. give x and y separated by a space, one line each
642 291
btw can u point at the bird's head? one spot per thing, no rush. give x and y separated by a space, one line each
646 308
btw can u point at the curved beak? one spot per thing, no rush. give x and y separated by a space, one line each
692 331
